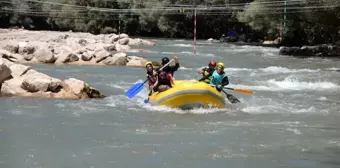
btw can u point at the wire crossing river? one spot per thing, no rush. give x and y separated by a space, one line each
292 120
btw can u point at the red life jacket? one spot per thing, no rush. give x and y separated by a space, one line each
164 78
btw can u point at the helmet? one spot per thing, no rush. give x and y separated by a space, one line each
220 64
148 63
212 63
165 60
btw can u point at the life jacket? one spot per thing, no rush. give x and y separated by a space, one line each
164 78
217 78
206 72
151 76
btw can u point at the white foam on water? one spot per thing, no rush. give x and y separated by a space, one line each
171 53
275 69
165 109
184 68
323 98
182 45
207 55
188 52
271 69
295 131
333 69
290 83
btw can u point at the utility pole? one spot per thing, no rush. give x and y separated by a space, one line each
195 32
284 17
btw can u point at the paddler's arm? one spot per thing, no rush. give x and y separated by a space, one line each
171 80
156 83
206 77
175 68
225 81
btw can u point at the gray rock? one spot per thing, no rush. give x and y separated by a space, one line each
5 71
45 55
86 56
100 55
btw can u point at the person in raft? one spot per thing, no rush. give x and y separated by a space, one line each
164 82
219 76
151 76
207 72
169 69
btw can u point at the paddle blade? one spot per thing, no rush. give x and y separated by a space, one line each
134 90
244 91
146 101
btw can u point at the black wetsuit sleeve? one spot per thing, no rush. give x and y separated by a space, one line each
175 68
206 77
225 81
157 70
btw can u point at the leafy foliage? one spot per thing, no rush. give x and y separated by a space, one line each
260 19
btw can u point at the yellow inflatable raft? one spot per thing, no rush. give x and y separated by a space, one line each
189 95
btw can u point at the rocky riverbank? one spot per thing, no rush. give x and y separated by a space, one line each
324 50
50 47
21 81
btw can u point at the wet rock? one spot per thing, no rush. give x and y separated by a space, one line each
81 89
312 51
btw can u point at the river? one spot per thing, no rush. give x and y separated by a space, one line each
292 120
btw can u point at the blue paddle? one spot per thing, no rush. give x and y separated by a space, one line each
136 88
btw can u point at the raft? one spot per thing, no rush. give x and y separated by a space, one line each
189 95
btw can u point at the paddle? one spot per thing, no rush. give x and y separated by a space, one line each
240 90
230 97
136 88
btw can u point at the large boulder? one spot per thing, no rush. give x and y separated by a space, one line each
18 69
139 41
123 41
5 71
81 89
10 56
45 54
26 50
122 48
135 61
123 35
12 87
34 81
102 54
66 56
114 38
12 46
118 59
86 56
